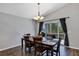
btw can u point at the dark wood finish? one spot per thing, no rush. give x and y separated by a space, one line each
38 45
36 39
24 38
16 51
28 44
46 44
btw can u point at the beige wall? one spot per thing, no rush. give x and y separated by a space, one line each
12 28
71 10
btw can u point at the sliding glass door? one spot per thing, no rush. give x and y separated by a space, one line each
54 28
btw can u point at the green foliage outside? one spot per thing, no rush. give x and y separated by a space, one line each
53 28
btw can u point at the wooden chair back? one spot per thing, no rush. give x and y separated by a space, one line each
36 39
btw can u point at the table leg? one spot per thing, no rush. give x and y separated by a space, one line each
22 43
52 52
47 52
35 51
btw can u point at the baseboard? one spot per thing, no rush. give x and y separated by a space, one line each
10 47
72 47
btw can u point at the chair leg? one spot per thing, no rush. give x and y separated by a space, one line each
59 53
25 48
41 54
29 49
56 53
35 52
52 52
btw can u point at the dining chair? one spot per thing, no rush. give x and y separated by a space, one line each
56 48
38 45
28 44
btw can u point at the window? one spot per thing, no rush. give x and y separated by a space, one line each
51 27
61 33
54 28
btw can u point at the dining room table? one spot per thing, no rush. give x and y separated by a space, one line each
46 42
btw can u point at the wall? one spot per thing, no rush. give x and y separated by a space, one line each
71 10
12 28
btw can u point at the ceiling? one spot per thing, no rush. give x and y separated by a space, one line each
29 10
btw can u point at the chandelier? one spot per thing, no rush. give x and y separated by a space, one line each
38 17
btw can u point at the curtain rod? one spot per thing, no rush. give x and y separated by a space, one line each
54 19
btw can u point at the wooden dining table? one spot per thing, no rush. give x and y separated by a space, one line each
49 43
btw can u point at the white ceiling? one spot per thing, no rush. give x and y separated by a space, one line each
29 10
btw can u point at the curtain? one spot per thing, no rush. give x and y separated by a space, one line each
40 26
64 27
